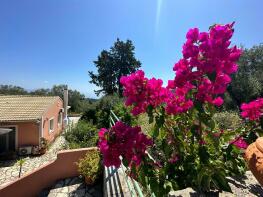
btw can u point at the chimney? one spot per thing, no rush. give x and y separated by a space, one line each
65 106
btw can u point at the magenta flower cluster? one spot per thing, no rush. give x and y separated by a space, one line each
240 143
253 110
142 92
123 140
203 72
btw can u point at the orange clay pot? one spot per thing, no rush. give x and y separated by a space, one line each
254 158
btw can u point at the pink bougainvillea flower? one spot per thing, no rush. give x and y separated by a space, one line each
128 142
102 132
141 92
240 143
207 61
218 101
206 66
253 110
192 34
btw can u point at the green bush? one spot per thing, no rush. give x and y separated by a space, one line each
124 113
227 120
82 135
89 114
143 121
98 113
104 105
90 166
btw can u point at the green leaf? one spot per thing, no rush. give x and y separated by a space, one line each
206 182
203 154
212 76
251 137
211 124
160 120
125 162
149 111
155 132
259 132
162 134
220 181
199 106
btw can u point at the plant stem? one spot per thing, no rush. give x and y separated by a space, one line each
20 170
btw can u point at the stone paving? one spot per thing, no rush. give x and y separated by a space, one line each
246 186
9 170
73 187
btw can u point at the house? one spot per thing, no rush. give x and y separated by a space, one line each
25 119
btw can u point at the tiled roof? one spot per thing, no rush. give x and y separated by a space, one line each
24 108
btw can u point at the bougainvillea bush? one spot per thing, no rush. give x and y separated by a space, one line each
186 148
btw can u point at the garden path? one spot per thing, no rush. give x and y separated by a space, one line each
246 186
9 170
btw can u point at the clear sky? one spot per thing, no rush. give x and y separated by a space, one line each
46 42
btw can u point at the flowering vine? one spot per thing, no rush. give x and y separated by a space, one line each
208 60
123 140
187 147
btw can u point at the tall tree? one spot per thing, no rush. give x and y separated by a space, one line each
41 92
75 98
247 84
111 65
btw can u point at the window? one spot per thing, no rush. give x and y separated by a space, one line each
51 124
60 118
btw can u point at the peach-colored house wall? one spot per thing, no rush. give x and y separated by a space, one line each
52 112
29 133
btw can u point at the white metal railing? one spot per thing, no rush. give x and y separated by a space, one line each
133 185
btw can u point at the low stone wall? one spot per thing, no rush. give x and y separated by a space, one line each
45 176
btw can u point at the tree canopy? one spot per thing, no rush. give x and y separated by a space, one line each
247 83
111 65
12 90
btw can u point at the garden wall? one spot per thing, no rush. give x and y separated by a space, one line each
45 176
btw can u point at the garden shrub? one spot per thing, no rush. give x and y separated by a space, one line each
103 107
227 120
89 114
90 166
187 147
143 121
124 113
98 113
82 135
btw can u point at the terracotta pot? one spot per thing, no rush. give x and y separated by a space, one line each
88 180
254 158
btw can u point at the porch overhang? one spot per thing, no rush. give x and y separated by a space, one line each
4 131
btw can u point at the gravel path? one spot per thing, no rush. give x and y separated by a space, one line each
9 170
246 186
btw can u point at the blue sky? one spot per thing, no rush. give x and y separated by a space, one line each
46 42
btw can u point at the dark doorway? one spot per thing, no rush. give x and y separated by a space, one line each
8 141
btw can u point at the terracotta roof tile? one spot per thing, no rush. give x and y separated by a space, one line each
24 108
